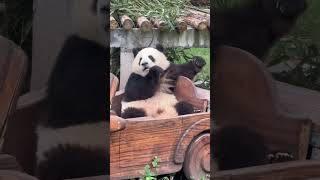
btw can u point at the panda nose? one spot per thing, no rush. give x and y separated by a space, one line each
144 64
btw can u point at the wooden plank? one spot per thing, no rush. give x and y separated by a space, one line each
298 170
300 102
136 38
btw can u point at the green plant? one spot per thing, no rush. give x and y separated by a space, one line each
165 10
306 53
148 174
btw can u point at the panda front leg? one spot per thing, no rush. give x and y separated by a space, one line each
132 112
184 108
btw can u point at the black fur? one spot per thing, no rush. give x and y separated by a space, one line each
237 147
133 113
184 108
256 26
140 88
78 83
73 161
189 69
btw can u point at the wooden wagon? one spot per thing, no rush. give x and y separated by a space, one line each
285 115
179 142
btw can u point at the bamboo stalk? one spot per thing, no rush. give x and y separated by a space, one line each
113 23
144 24
181 25
126 22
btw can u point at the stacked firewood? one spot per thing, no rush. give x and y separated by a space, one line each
197 19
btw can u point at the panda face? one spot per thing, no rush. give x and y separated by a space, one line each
147 58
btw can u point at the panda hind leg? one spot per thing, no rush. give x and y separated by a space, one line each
133 113
183 108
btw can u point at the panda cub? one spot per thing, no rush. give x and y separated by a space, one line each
150 87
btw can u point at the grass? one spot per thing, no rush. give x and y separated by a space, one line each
302 43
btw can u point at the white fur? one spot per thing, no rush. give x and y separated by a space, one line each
93 134
160 60
160 100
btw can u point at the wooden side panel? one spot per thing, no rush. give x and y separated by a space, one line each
143 139
249 97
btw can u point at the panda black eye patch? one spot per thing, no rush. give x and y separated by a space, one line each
152 58
140 61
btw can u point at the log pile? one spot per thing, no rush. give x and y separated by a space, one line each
199 20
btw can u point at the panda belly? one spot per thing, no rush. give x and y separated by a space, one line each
86 135
161 105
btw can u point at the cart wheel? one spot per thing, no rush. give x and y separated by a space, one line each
197 160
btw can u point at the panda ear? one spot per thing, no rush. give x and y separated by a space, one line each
159 47
135 51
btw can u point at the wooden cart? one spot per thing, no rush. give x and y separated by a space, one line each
179 142
287 116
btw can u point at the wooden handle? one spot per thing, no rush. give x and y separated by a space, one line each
117 123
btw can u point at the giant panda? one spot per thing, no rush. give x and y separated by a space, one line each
72 140
255 26
149 89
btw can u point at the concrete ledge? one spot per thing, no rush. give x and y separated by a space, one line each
136 38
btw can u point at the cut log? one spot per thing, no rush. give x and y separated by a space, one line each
181 25
144 24
196 23
127 22
113 23
199 14
161 25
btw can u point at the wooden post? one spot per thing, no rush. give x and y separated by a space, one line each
126 58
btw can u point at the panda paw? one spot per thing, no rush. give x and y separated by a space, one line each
198 62
133 113
280 157
156 70
184 108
